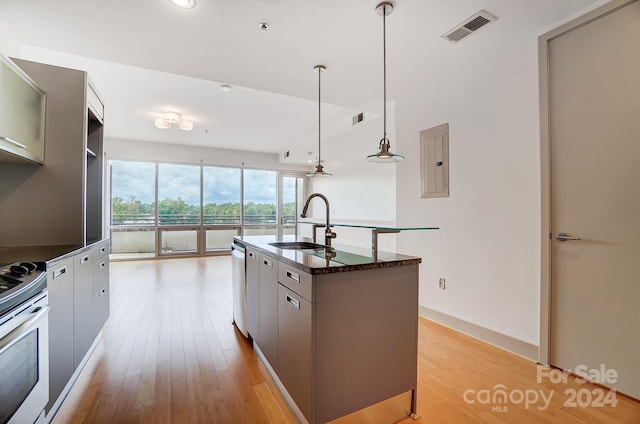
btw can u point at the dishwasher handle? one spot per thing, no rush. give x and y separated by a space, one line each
237 250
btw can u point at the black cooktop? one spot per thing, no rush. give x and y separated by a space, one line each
19 282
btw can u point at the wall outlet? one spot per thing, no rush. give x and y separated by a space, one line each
441 283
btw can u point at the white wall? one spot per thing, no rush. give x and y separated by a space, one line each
488 245
8 46
141 150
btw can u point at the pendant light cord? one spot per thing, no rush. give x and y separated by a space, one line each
319 103
384 67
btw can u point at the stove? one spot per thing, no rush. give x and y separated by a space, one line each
24 342
19 282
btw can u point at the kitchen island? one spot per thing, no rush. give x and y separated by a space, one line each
337 327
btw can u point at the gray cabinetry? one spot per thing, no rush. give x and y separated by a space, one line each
295 347
68 179
268 341
296 280
100 285
253 294
342 341
82 305
60 285
79 301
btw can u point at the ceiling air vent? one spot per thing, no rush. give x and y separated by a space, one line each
469 26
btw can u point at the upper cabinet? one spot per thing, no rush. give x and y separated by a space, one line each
22 115
69 185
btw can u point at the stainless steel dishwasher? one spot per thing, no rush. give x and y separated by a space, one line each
239 288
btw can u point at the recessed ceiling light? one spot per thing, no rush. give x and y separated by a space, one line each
184 4
263 26
225 87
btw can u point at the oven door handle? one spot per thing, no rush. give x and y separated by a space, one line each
22 329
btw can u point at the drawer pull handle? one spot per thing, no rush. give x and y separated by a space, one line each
267 263
252 255
295 277
102 264
59 272
84 260
293 302
103 249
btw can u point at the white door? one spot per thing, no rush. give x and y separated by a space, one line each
594 105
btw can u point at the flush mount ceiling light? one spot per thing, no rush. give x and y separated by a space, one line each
384 155
173 120
183 4
319 171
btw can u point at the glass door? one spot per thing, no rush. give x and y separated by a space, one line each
260 202
292 192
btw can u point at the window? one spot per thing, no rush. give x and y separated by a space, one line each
178 194
133 193
133 214
196 209
221 199
221 195
260 201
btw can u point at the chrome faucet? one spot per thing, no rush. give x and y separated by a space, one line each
328 234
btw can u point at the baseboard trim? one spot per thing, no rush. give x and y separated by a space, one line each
519 347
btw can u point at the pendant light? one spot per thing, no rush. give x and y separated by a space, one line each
384 155
319 171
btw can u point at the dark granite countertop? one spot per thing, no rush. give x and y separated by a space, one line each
9 255
347 258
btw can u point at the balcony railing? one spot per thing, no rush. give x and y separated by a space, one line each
185 219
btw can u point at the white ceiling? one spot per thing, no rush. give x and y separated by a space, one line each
147 56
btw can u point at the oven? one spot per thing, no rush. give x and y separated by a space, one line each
24 347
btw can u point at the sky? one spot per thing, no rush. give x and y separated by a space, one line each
221 184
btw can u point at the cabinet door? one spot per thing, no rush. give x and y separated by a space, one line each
82 305
295 347
269 310
100 295
253 294
60 285
22 106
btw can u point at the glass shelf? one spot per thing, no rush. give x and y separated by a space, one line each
375 229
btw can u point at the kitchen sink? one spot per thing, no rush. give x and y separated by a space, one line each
297 245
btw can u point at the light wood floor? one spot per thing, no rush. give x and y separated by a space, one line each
169 354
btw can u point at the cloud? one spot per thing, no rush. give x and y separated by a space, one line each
220 184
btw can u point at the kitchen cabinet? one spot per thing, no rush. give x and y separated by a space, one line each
346 334
100 287
22 113
72 175
253 294
60 285
295 347
82 305
78 284
268 341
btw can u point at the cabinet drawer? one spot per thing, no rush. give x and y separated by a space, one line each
100 251
100 275
296 280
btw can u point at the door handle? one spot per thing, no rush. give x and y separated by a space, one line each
565 237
